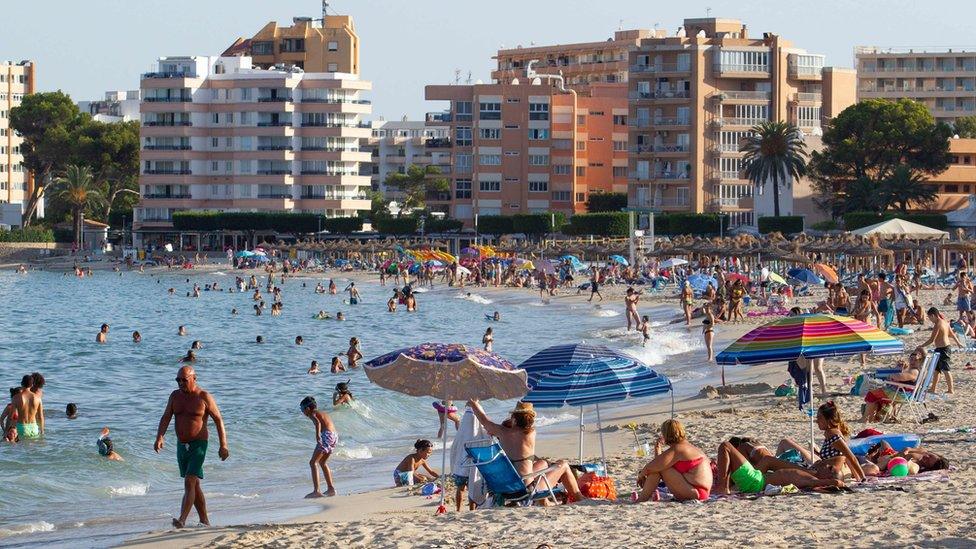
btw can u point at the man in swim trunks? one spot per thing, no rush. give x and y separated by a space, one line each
734 466
964 287
192 406
29 410
942 337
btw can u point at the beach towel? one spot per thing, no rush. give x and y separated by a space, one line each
469 430
799 376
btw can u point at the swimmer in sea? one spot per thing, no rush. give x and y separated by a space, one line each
488 339
342 394
353 354
190 357
340 316
322 315
299 340
496 317
196 344
106 448
391 305
71 411
314 368
259 339
354 297
181 331
136 337
233 311
337 365
102 336
332 287
171 291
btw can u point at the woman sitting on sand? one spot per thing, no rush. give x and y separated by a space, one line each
834 454
517 437
684 468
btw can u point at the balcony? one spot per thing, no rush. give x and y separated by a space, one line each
438 143
806 98
274 172
744 70
323 148
326 124
284 99
169 75
668 202
336 101
666 175
665 148
805 73
439 117
667 121
168 99
732 121
167 123
274 147
167 171
173 196
275 124
660 94
660 68
443 168
734 96
167 148
275 195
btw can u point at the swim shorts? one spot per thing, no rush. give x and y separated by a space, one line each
401 478
327 442
190 456
28 431
944 358
460 481
748 479
963 304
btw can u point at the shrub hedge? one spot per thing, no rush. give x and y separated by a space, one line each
28 234
786 224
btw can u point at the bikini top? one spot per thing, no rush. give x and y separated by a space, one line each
827 450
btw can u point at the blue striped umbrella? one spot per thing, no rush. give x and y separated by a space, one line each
593 381
558 356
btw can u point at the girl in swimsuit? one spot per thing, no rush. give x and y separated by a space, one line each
684 468
446 410
353 354
488 339
834 453
708 334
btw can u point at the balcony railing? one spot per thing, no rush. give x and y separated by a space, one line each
156 219
169 75
274 99
167 123
274 172
439 117
274 195
438 143
642 176
661 148
732 121
317 124
167 171
666 121
168 99
660 94
667 202
169 196
743 95
167 148
336 101
797 70
802 97
444 168
274 147
274 124
749 68
333 196
660 67
331 149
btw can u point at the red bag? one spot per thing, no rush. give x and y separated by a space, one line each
595 487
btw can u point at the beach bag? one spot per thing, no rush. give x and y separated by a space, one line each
595 487
860 387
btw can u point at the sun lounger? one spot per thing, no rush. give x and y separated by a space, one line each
914 395
503 483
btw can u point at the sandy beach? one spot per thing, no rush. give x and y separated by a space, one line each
930 512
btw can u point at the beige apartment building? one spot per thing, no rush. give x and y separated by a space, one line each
527 147
16 183
696 94
329 44
220 134
395 145
944 81
581 64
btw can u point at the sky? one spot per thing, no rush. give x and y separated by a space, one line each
87 47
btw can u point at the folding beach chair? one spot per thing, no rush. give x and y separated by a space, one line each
914 395
968 343
503 483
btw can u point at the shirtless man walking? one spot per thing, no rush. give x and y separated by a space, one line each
30 411
941 336
191 405
965 293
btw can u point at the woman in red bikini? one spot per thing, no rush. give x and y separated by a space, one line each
684 468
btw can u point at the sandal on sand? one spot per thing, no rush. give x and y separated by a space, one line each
930 418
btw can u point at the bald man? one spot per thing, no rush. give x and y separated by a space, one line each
191 405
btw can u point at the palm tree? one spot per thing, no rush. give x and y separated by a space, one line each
775 152
77 190
904 188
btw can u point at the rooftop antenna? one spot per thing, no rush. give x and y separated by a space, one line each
457 76
708 12
620 24
325 7
468 81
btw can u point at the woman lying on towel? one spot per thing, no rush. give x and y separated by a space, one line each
920 460
516 435
685 469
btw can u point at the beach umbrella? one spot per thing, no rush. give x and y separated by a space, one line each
699 282
673 262
447 371
594 382
827 272
804 276
469 251
737 276
545 266
773 277
620 259
809 336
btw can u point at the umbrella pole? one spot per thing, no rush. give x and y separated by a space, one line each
441 508
603 452
810 406
581 437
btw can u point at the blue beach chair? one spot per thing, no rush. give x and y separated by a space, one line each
503 483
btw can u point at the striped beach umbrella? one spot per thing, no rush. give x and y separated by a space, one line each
558 356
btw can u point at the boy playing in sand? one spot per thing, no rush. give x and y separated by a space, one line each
406 473
326 439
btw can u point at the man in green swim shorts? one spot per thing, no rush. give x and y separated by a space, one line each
191 406
30 411
734 466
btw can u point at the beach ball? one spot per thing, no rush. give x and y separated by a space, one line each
898 467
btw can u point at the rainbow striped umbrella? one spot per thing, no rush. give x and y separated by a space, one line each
809 336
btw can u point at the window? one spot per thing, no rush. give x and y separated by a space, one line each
490 133
214 142
580 119
462 163
462 136
490 160
332 67
245 94
620 171
581 145
490 186
538 186
560 196
333 46
538 133
619 146
538 111
580 171
244 166
562 144
462 188
462 110
561 169
262 48
538 160
490 111
292 45
620 120
581 197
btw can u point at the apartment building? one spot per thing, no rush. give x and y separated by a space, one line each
117 106
220 134
942 80
16 183
329 44
394 146
527 147
581 64
693 96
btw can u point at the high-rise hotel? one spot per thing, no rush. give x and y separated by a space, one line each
16 183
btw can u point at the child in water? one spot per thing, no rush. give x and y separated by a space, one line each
353 354
314 368
645 329
337 365
446 410
106 448
406 473
342 394
326 439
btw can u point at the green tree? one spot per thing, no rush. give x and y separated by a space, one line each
77 189
379 206
904 188
416 183
606 202
965 127
861 195
868 141
774 153
111 151
46 122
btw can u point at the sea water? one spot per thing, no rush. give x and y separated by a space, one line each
58 491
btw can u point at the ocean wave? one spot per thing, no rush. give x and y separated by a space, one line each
542 421
361 452
129 490
246 496
606 313
538 303
28 528
219 273
474 298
